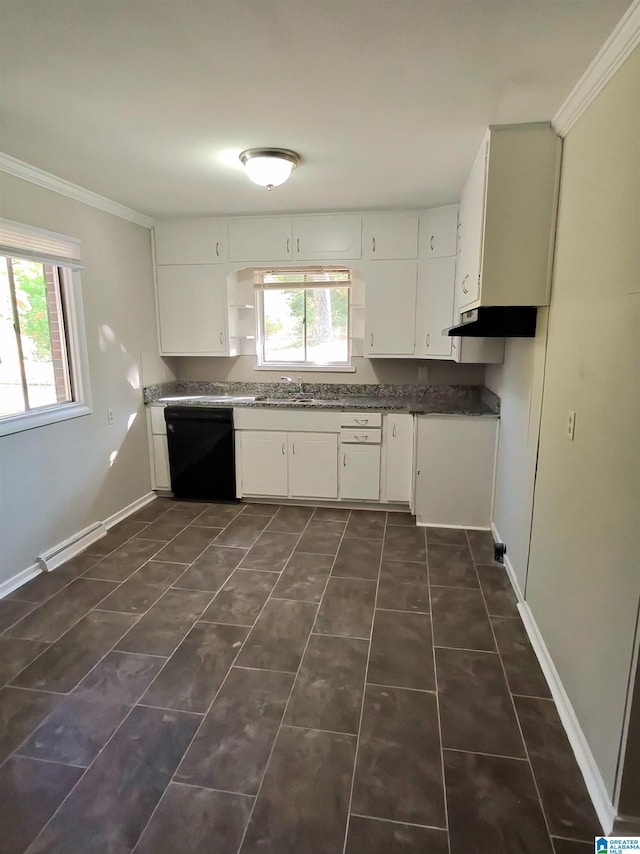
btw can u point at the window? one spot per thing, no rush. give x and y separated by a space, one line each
303 317
42 353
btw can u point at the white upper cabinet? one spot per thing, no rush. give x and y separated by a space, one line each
192 310
189 241
435 307
390 307
260 239
438 232
507 219
390 236
327 237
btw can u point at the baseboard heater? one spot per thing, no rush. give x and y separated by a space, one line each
70 547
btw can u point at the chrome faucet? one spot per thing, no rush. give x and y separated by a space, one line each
300 383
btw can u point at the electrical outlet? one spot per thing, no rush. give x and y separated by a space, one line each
571 425
110 416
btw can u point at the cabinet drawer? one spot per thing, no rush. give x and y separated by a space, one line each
361 419
360 436
158 425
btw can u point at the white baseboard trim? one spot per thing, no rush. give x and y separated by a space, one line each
19 579
60 553
587 764
129 510
453 527
66 549
511 573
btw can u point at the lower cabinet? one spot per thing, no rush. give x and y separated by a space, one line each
161 473
455 464
398 453
283 464
360 472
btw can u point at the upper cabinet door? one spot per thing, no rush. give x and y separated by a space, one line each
316 238
435 307
389 308
389 236
438 232
471 220
192 310
260 239
189 241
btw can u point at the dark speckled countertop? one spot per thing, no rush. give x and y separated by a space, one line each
414 399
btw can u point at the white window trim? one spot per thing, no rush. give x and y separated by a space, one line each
308 367
79 364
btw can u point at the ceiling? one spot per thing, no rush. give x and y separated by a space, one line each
385 100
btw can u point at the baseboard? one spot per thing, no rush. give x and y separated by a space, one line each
66 549
19 579
587 764
129 510
453 527
52 558
511 573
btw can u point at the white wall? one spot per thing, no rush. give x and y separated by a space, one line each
583 584
56 480
518 383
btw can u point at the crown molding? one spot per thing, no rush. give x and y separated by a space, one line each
19 169
607 61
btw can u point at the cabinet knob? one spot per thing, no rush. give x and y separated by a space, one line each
373 244
431 243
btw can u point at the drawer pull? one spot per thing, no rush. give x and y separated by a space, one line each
361 420
360 437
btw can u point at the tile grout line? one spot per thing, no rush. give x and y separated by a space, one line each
293 683
513 705
172 779
435 676
394 821
364 690
126 717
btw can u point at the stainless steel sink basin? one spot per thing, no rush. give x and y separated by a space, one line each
313 401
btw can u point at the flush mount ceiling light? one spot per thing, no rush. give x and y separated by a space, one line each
269 167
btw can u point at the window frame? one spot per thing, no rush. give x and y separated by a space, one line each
306 365
69 283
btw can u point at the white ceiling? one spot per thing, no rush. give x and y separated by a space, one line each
385 100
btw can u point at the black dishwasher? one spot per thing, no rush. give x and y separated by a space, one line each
201 452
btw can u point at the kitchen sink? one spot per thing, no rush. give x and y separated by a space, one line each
313 401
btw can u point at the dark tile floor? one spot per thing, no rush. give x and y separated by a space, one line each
282 680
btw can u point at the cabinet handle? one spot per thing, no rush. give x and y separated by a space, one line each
293 449
373 244
344 460
427 338
464 287
361 438
288 245
221 338
431 243
371 345
283 449
298 245
361 420
218 249
393 432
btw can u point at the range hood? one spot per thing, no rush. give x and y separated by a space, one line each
496 322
